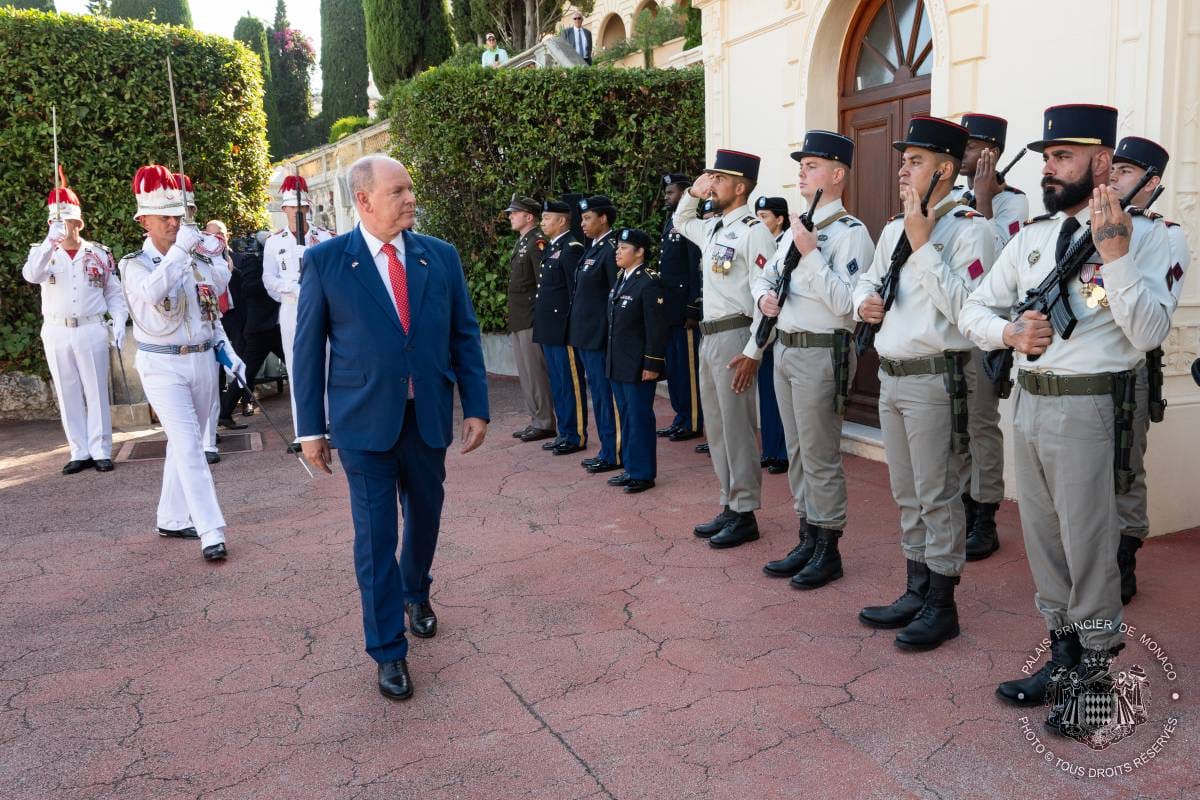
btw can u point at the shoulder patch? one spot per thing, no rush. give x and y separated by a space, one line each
1039 218
541 244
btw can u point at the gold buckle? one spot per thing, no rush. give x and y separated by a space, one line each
184 349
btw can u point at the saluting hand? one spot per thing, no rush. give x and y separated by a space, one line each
1030 334
702 186
1111 224
985 184
917 225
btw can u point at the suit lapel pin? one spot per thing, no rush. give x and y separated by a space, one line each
424 263
353 265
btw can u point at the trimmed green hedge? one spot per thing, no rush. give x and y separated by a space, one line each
472 137
108 79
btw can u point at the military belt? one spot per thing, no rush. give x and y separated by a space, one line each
806 339
1048 384
709 327
74 322
933 365
175 349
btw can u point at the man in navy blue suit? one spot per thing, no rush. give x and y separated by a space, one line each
395 310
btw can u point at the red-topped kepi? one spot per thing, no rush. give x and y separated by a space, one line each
184 182
157 192
287 191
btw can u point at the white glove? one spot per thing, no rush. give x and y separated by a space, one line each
238 370
57 232
188 238
118 332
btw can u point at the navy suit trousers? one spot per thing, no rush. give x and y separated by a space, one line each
413 472
773 443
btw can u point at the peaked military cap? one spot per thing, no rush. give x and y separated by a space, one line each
935 134
1142 152
776 205
635 237
520 203
736 163
1078 123
826 144
986 128
676 179
557 206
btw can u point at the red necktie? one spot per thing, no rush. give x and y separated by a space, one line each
399 281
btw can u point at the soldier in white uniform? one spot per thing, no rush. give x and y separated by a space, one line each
734 247
1007 208
79 286
281 268
172 285
814 353
1133 156
924 371
1072 402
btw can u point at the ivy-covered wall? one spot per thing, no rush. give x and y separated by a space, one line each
108 80
473 136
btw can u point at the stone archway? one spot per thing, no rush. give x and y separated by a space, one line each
612 30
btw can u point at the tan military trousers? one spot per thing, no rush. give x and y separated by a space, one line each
806 386
534 379
1131 506
983 474
732 423
1063 455
925 472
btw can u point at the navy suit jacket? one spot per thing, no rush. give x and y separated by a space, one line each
371 359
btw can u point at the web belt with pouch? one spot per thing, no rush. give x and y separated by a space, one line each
952 364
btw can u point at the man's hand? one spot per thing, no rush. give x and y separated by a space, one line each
871 309
806 240
985 185
316 452
1111 225
188 238
118 333
648 376
473 432
56 233
918 226
744 369
702 187
768 304
1031 334
693 324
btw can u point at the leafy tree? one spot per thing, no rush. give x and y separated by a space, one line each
405 37
164 12
521 23
251 32
99 8
292 61
34 5
346 126
343 59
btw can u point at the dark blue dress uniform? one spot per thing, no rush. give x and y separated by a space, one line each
588 331
551 323
683 289
637 337
774 443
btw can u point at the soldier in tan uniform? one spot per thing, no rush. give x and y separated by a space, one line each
524 269
941 252
735 246
1066 411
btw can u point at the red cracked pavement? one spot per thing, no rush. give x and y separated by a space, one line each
589 646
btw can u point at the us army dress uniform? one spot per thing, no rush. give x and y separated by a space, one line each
919 345
734 249
78 289
983 474
588 333
1131 506
774 442
281 272
683 288
1064 410
172 300
814 368
551 321
637 339
524 269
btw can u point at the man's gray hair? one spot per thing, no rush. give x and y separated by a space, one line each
362 173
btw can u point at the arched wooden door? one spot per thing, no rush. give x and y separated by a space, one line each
886 64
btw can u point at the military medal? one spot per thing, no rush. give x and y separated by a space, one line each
1096 296
1034 256
51 281
210 309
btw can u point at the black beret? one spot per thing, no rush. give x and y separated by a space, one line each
557 206
635 237
776 205
597 202
676 179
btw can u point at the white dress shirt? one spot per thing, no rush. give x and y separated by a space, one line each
375 246
68 284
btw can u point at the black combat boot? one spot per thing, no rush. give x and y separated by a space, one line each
1090 671
794 561
982 540
937 621
971 508
1065 652
707 529
903 608
825 566
739 530
1127 561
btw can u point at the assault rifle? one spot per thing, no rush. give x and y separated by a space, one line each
790 261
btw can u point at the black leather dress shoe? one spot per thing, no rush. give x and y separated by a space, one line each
551 445
603 466
777 466
635 486
182 533
522 432
73 467
683 436
620 480
702 448
215 552
231 423
587 462
394 683
212 457
249 410
294 448
537 435
104 465
664 432
566 448
422 622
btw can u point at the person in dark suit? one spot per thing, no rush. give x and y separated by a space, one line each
637 341
394 307
579 37
551 317
260 328
683 289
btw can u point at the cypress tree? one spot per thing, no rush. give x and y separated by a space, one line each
164 12
251 32
292 59
343 59
405 37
